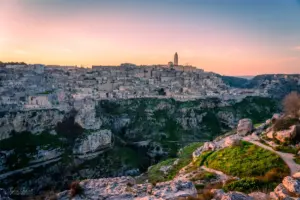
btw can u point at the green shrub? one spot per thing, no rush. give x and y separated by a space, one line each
297 160
248 185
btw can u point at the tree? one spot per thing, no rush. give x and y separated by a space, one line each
291 104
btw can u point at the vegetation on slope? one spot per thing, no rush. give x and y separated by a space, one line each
25 145
236 82
258 168
184 158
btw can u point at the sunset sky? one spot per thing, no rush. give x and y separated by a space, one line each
232 37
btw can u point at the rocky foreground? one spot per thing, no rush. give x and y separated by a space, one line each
185 184
126 188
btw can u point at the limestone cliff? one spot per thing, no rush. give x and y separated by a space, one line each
45 148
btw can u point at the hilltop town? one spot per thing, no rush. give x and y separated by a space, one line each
36 86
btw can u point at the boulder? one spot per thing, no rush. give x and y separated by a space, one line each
281 192
207 146
273 196
236 196
219 194
125 188
217 145
174 189
291 184
296 175
231 141
244 127
258 195
286 135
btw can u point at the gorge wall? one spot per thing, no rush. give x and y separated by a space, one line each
47 149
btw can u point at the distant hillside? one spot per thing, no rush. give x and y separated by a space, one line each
246 77
277 85
235 81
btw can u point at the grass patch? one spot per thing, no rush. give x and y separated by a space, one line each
258 168
245 160
248 185
184 158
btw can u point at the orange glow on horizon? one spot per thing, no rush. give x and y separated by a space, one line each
100 39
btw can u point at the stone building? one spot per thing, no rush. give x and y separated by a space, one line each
176 59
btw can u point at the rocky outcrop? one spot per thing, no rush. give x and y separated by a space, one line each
86 115
221 195
125 188
244 127
93 142
45 155
286 135
270 135
144 130
34 121
217 145
292 185
259 196
288 189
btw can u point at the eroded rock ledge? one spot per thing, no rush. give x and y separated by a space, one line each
125 188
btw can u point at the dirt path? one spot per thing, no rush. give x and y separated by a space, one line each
223 177
288 158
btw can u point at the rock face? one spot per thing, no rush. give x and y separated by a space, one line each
125 188
93 142
31 121
86 115
286 135
141 130
244 127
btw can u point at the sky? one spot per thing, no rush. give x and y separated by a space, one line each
231 37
